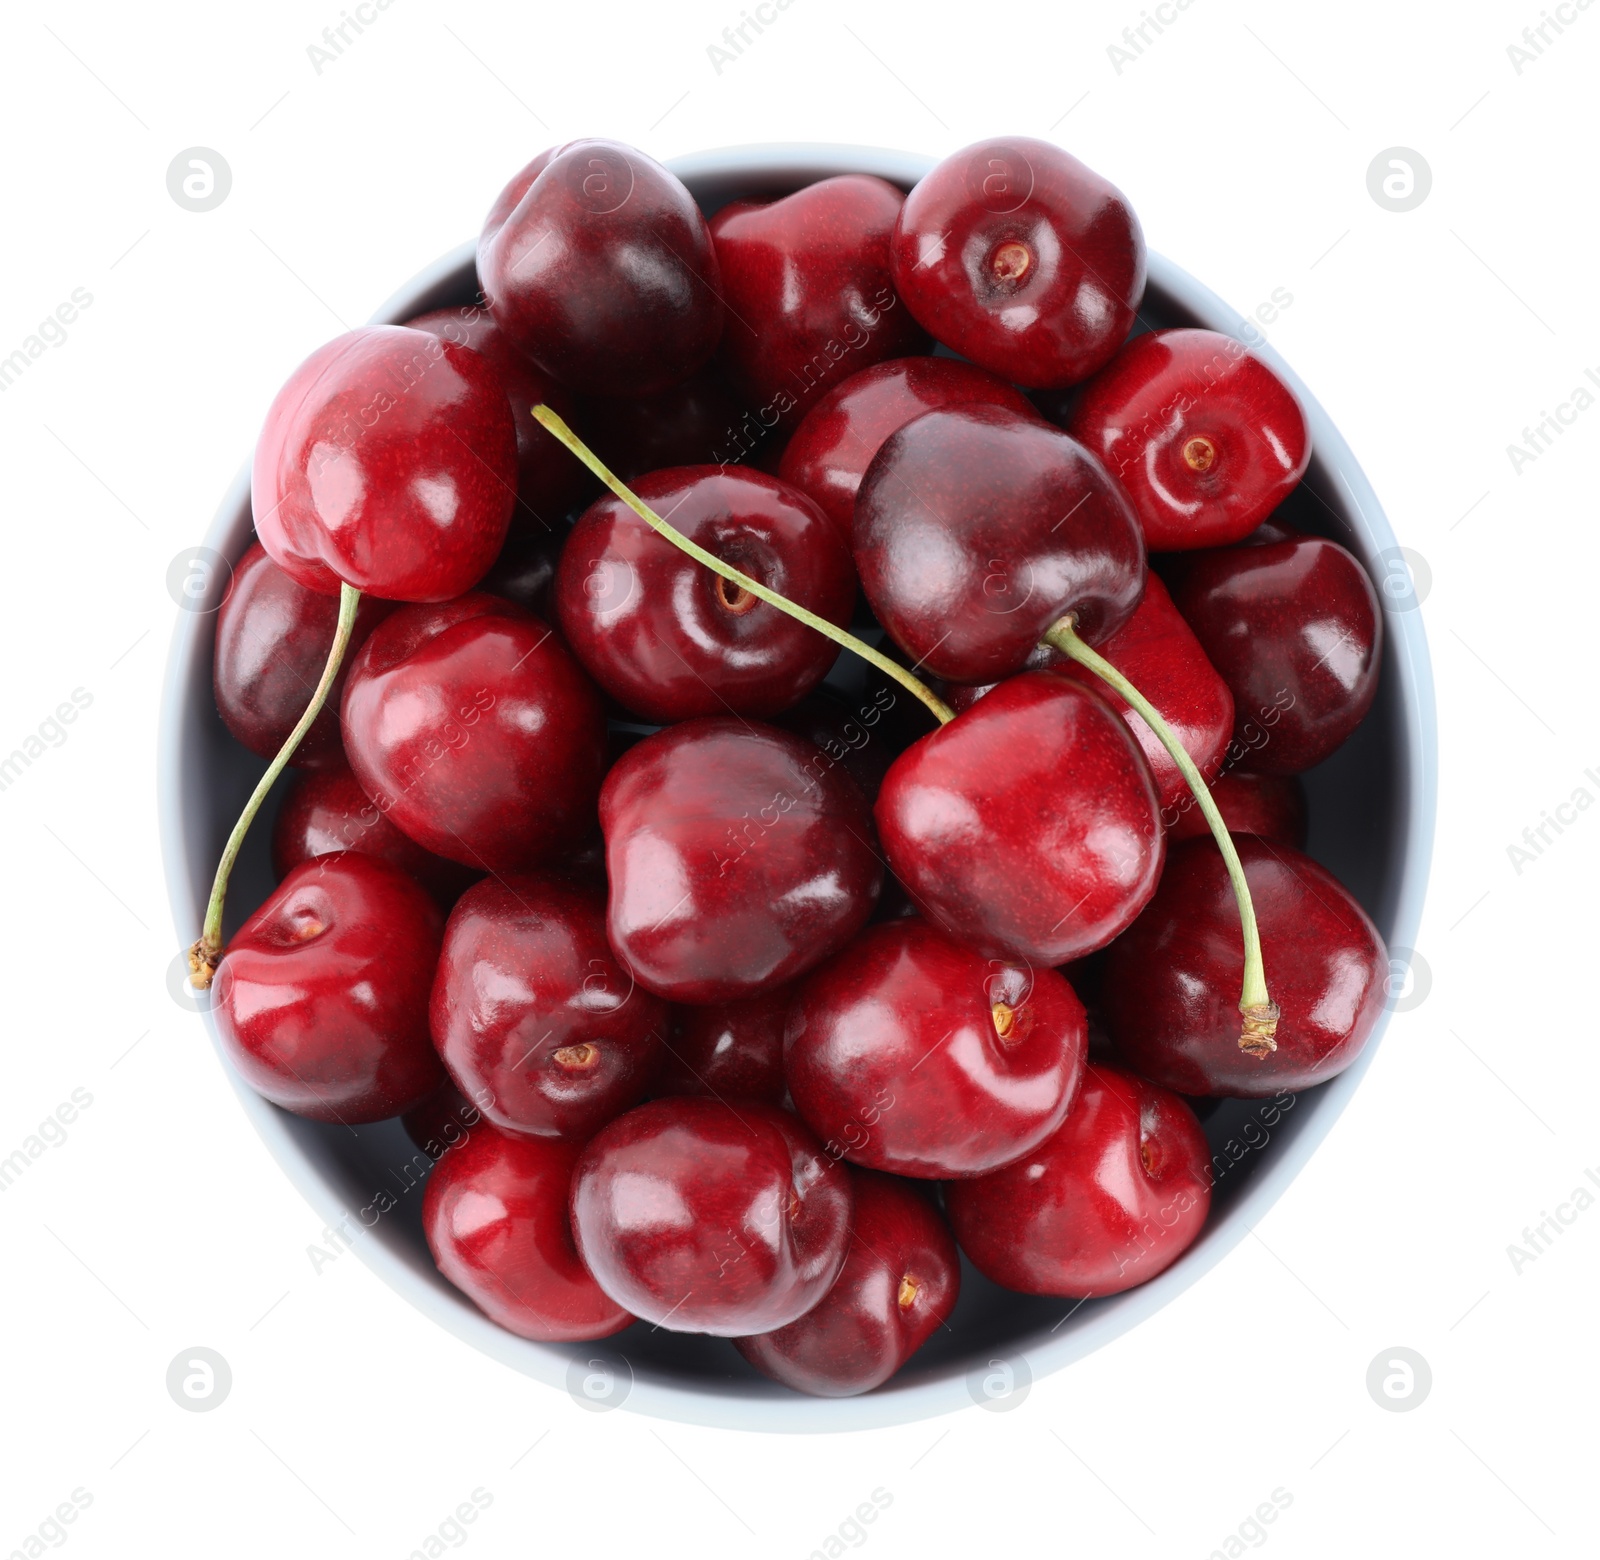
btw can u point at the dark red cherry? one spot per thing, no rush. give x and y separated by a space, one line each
476 733
978 527
510 197
832 448
1273 806
273 638
389 462
1295 631
1017 256
1206 439
321 999
692 424
898 1286
731 1051
329 812
806 280
909 1052
1172 981
665 636
702 1216
532 1015
1029 826
549 480
496 1220
1158 653
737 860
603 272
443 1121
1115 1197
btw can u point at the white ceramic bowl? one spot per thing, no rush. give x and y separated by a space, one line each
1372 808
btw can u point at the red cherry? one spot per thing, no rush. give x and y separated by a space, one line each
476 733
1114 1198
603 272
899 1284
909 1052
495 1217
549 481
273 638
321 999
1273 806
510 197
1206 439
532 1015
806 280
388 461
329 812
1017 256
1158 653
737 860
731 1051
832 448
1029 826
668 638
692 424
1172 981
1295 631
978 527
443 1121
707 1217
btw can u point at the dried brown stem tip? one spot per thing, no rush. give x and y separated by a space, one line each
1260 1025
204 957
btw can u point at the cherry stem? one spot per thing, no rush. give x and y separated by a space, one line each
828 630
206 953
1260 1012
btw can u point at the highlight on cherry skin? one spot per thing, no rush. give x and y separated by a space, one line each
736 731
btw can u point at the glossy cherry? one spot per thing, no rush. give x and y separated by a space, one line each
1029 826
978 527
389 462
898 1286
737 861
603 271
831 450
1172 980
1015 255
1273 806
321 999
732 1051
1206 439
329 812
496 1219
549 481
909 1052
1295 631
702 1216
532 1015
273 637
806 280
476 732
692 424
669 639
1115 1197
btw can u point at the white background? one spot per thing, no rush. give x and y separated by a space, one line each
1243 135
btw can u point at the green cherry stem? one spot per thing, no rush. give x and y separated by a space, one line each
839 636
206 953
1259 1011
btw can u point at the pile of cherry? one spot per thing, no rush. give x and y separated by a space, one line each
720 998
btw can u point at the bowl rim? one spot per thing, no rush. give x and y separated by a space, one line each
553 1365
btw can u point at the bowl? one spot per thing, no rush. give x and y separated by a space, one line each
1372 809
